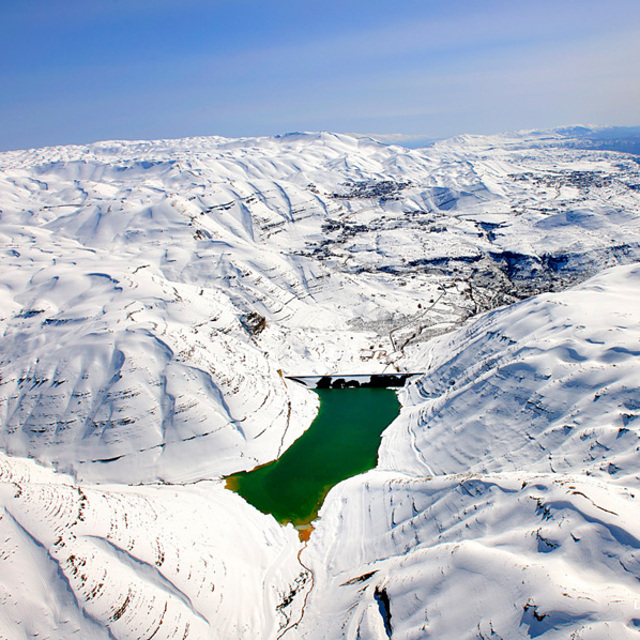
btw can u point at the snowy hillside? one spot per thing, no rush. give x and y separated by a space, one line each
139 562
153 297
505 502
129 270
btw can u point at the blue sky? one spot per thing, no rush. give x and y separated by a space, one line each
77 71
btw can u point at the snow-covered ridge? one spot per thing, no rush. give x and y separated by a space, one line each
139 562
505 503
518 520
128 267
153 298
547 385
591 137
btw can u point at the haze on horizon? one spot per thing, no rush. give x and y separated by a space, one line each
77 71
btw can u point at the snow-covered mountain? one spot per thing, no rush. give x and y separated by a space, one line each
505 502
153 297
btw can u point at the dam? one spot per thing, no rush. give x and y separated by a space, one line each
355 381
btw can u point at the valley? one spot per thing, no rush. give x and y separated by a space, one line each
156 297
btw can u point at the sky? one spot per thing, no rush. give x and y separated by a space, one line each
75 71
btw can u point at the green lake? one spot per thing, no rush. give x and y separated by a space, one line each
342 442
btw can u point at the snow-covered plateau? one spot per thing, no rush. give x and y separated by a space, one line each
154 297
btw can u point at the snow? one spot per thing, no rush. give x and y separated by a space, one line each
562 368
139 562
506 489
503 503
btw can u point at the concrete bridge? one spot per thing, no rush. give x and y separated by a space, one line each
345 381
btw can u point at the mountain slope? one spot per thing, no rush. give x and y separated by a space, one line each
139 562
505 499
129 270
498 522
153 298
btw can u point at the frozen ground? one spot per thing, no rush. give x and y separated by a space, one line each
153 295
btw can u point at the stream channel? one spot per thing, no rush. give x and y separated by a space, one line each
342 442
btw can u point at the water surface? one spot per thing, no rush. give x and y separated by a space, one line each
342 442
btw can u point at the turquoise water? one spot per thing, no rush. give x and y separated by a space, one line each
342 442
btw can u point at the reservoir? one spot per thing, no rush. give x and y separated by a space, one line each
342 442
